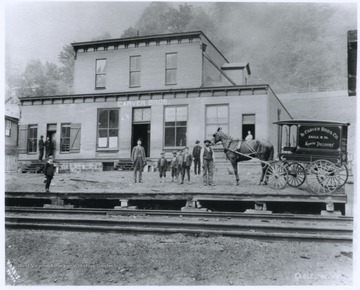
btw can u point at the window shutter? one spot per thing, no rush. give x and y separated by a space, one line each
75 137
23 135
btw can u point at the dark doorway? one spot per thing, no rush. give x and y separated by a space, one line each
141 131
246 128
51 133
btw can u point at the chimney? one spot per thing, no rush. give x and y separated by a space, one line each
237 72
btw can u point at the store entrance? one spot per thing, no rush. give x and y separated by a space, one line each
141 131
51 133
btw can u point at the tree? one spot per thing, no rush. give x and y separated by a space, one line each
38 80
161 18
67 58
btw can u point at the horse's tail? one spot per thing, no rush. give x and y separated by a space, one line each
271 153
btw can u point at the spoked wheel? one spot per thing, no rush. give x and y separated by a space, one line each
343 175
276 175
296 174
323 177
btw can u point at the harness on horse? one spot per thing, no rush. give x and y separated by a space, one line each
237 148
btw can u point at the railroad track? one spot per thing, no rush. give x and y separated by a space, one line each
284 226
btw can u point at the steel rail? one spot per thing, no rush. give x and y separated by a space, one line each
198 213
284 231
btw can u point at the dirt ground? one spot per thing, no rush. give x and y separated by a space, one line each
68 258
122 181
35 257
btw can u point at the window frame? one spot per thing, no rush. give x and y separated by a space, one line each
217 123
68 125
100 74
175 126
8 126
34 139
107 148
170 69
136 71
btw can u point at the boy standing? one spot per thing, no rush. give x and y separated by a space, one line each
162 166
49 171
174 167
179 162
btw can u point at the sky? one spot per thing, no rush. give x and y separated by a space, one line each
39 30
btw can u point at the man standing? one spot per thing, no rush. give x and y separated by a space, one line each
47 145
196 155
138 158
186 164
49 172
208 161
41 147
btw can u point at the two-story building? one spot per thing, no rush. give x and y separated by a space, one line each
169 90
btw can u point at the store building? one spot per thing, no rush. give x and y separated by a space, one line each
169 90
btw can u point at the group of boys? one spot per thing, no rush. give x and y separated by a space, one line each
181 161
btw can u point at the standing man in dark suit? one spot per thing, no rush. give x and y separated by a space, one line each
41 148
208 160
186 164
49 172
139 159
196 155
47 145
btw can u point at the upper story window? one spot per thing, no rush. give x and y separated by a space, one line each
100 74
135 70
171 68
108 128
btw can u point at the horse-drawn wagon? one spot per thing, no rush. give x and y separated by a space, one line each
311 151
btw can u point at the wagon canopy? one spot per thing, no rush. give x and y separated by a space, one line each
311 122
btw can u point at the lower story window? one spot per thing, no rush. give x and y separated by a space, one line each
108 128
65 138
175 126
32 139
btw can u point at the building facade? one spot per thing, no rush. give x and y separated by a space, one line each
169 90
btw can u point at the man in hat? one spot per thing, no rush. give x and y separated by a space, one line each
139 159
186 164
207 157
196 155
49 171
41 148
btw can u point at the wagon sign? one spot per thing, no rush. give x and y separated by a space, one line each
319 137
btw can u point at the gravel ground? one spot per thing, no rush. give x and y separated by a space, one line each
68 258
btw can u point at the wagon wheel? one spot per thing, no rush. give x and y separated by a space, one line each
276 175
323 177
343 175
296 174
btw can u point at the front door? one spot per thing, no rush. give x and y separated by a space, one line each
141 128
51 133
142 132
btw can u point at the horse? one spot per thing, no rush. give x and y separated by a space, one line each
247 150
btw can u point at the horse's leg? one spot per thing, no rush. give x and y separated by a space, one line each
263 171
234 165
